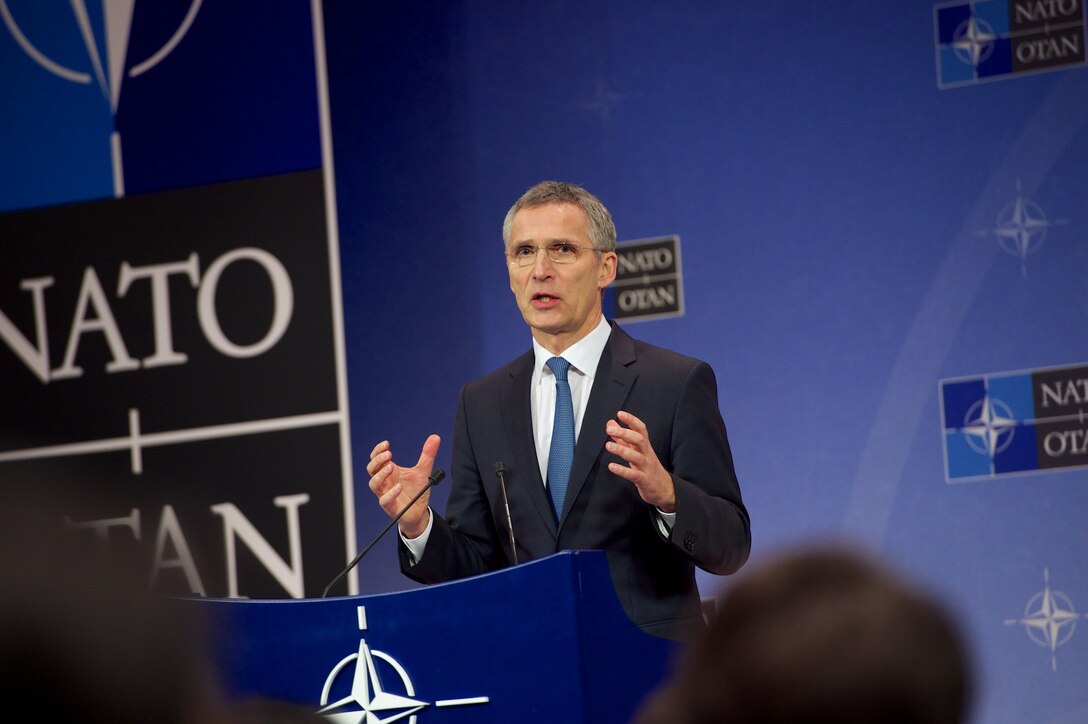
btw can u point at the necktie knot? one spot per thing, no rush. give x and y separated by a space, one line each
559 367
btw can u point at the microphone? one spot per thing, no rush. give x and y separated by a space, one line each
431 482
499 470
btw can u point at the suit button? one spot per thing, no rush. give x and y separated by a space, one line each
689 542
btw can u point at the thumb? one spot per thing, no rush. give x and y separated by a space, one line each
430 451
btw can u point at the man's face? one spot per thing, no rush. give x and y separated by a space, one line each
560 302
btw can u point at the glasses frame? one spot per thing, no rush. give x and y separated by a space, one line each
527 260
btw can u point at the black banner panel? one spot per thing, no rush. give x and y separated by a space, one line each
171 377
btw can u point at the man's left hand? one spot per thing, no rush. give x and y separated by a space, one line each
632 443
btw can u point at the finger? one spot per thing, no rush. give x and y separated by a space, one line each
617 432
380 460
389 498
378 481
631 455
633 422
626 445
625 472
379 448
429 452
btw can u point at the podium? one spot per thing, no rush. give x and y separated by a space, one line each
544 641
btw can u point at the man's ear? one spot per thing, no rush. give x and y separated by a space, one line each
607 269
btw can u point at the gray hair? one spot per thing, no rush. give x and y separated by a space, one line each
599 226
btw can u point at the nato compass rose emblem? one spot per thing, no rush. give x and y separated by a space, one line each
107 63
973 41
1021 228
989 426
368 701
1049 619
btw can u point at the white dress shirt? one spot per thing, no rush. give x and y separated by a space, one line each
583 355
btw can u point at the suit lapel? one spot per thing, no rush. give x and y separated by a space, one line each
518 416
611 385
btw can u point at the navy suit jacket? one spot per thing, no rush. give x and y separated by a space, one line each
654 575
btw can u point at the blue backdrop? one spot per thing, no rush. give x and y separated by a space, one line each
862 222
836 209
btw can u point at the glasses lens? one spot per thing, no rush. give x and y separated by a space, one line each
562 253
559 252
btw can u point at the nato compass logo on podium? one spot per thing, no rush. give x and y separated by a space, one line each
1021 228
107 57
986 40
1015 423
366 699
1049 619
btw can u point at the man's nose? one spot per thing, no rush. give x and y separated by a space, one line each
542 267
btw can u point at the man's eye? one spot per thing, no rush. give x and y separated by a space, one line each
565 249
524 250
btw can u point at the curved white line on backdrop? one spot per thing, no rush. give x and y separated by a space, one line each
946 305
170 44
36 55
79 9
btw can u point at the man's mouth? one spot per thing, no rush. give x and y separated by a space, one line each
544 301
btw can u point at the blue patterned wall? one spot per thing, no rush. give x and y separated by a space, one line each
882 213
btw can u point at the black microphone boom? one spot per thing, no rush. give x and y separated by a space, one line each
499 470
431 482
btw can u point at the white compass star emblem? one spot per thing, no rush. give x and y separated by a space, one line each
973 41
367 702
1049 619
989 426
109 62
375 705
1021 227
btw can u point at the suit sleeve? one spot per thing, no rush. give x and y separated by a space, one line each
712 527
465 542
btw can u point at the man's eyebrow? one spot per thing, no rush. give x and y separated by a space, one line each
557 240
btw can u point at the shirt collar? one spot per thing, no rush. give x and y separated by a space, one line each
583 355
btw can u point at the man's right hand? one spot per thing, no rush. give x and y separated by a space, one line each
395 486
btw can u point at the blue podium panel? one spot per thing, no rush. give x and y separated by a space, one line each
545 641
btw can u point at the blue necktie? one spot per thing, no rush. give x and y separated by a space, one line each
561 455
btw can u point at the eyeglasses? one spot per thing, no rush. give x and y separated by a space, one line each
560 252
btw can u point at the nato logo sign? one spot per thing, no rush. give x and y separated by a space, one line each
1015 423
998 39
171 367
649 283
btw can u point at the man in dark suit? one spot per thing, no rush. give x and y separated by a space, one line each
604 442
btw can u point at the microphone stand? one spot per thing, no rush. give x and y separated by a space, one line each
431 482
499 470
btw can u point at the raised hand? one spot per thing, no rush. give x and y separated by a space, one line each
395 486
632 444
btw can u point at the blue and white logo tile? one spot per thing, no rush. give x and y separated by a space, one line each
1014 422
987 427
1000 39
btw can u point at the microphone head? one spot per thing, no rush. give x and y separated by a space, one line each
499 469
436 476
